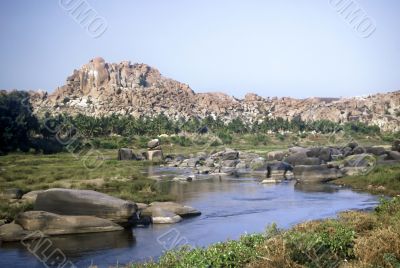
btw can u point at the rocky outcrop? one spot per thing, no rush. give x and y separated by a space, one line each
85 202
313 174
53 224
99 88
126 154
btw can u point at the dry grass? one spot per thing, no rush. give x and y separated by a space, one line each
378 247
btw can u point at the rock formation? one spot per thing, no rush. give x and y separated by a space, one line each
101 88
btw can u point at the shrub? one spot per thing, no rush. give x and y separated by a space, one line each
325 246
182 141
228 254
225 137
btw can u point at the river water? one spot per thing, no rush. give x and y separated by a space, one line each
230 206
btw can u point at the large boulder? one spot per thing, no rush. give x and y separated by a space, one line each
53 224
155 155
126 154
258 164
393 155
276 155
396 145
13 232
325 154
85 202
230 155
153 144
375 150
359 160
229 163
178 209
359 150
302 159
312 174
296 150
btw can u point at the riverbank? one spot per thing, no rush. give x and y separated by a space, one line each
354 239
383 179
30 172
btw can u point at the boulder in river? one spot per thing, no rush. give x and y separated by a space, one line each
85 202
319 173
276 155
155 155
161 216
302 159
126 154
54 224
183 211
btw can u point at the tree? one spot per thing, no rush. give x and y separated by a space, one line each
16 120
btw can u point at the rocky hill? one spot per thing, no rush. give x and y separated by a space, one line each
100 88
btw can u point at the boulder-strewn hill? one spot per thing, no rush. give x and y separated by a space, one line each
100 88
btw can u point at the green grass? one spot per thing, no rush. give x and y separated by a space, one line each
383 179
29 172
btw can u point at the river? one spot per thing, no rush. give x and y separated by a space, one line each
230 206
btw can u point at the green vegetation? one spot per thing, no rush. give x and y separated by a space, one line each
29 172
354 239
383 179
23 131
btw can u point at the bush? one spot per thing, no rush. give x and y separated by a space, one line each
228 254
225 137
325 246
182 141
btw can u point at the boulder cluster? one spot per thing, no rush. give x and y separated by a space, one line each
66 211
99 88
313 164
154 152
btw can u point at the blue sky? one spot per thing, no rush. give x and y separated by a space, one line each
297 48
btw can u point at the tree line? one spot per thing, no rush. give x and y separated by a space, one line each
22 130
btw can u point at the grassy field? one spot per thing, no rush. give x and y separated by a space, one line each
29 172
382 179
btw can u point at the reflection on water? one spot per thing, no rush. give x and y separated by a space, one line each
315 188
230 207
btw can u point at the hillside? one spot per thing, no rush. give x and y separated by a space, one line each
99 88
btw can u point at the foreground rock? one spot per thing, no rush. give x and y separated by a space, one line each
313 174
53 224
13 232
85 202
166 212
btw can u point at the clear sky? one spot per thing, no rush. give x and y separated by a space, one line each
296 48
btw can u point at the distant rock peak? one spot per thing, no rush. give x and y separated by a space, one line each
100 88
